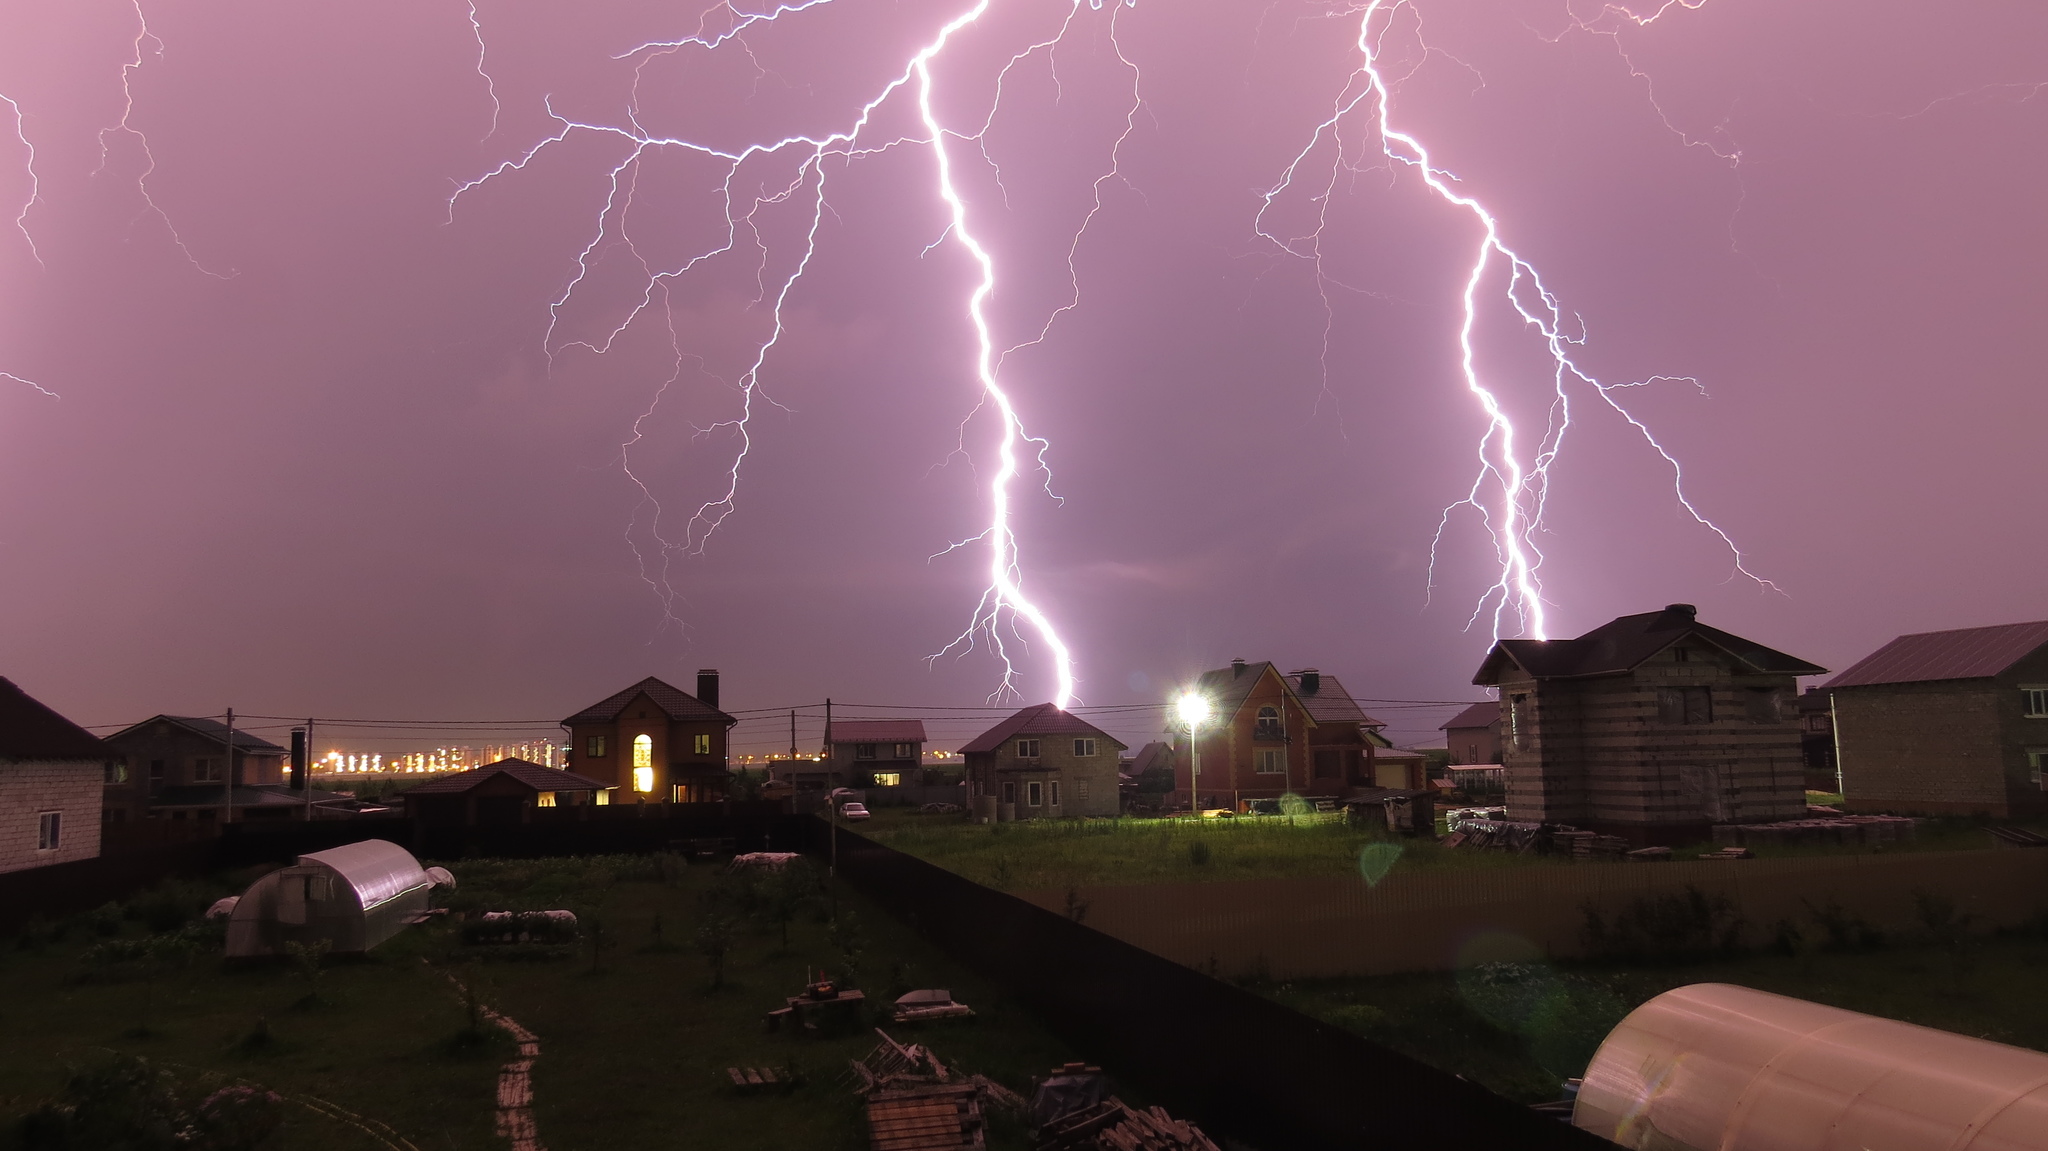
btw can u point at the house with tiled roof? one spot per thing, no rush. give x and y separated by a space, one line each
190 767
654 743
51 772
1271 734
1473 735
500 794
1947 723
1652 726
876 752
1043 762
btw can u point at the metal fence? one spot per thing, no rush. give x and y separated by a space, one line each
1340 926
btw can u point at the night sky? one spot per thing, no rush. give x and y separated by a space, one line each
322 447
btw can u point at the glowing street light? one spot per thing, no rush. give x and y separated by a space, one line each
1193 709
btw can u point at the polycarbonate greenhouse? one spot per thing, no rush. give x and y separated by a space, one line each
354 896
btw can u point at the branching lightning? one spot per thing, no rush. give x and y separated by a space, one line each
795 171
122 127
1512 481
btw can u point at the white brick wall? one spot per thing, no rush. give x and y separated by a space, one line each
29 789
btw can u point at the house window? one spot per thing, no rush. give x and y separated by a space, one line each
1681 655
596 747
643 755
1027 749
1762 705
117 771
205 770
1055 793
863 751
2034 697
643 779
1269 760
1034 793
544 799
903 751
603 798
701 745
2037 766
1267 726
49 830
1517 706
1083 748
678 793
888 779
1010 792
1685 705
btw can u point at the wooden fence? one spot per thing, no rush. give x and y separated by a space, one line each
1433 921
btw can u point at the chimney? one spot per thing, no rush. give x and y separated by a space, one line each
707 686
1311 680
1237 667
300 753
1681 612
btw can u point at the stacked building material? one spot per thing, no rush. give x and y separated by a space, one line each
1114 1125
1846 830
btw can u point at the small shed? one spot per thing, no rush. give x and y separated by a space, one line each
354 896
500 794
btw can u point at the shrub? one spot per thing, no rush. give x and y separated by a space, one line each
1665 928
1198 853
1843 931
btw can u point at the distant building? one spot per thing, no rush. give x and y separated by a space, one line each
1947 723
500 794
654 743
1300 733
1044 762
51 775
1817 739
1473 736
1652 726
177 767
876 752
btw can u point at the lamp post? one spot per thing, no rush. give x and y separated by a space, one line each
1193 710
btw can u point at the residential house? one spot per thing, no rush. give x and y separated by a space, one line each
1816 710
51 775
654 743
1947 723
1267 737
876 752
177 767
1347 748
1652 726
498 794
1044 762
1473 736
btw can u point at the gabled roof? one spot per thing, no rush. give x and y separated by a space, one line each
31 732
532 775
1044 719
1623 644
674 702
1229 687
1154 754
211 730
1483 714
1966 653
878 731
1330 702
246 795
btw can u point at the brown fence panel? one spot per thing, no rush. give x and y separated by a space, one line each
1239 1064
68 888
1340 926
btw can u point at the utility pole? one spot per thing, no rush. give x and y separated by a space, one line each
308 781
228 792
792 739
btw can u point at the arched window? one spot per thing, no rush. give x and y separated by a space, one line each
643 751
1268 724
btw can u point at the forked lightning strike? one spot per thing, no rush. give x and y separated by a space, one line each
1512 482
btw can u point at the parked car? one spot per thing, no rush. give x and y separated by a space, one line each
853 812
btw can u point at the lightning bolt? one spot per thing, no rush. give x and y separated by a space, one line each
795 173
35 185
1511 484
122 127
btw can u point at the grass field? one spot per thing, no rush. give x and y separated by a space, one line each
1521 1029
634 1036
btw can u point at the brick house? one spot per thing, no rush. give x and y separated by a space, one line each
1652 726
498 794
653 743
1044 762
876 752
176 767
1947 723
51 774
1473 735
1270 734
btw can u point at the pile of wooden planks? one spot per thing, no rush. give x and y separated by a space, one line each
750 1080
934 1117
1113 1125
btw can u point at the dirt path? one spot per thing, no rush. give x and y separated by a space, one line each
515 1085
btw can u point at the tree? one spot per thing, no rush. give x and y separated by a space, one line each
714 941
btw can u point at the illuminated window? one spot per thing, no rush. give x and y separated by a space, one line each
117 771
596 747
1034 793
1271 760
677 793
2034 698
1028 749
643 779
604 798
643 755
544 799
702 745
1083 748
888 779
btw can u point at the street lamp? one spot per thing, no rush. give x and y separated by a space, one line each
1193 708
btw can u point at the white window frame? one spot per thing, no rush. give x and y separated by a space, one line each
1269 761
2037 766
1055 794
1034 794
1084 748
1027 749
49 830
2034 700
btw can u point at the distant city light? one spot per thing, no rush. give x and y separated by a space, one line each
439 760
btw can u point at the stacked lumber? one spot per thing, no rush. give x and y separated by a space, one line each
1113 1125
749 1080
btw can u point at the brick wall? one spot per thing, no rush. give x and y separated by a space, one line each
29 789
1955 747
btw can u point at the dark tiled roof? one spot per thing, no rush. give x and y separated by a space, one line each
1330 702
532 775
212 730
1154 754
674 702
1044 719
31 732
878 731
1966 653
1484 714
1623 644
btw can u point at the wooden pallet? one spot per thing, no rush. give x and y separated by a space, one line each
749 1080
938 1118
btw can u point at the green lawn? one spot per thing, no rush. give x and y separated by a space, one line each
1521 1029
633 1052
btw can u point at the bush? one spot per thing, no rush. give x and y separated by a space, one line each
1665 928
1198 853
519 927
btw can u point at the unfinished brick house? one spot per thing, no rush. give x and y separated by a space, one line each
51 773
1947 723
1653 727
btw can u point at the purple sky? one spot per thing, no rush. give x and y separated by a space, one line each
344 476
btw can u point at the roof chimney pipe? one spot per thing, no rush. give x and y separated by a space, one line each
1684 611
707 686
1237 667
1311 681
